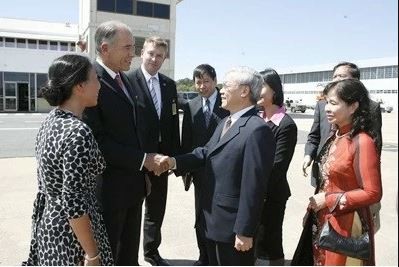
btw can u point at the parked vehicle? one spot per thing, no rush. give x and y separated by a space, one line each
296 105
386 107
184 97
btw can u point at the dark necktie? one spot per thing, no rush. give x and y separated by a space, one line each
226 127
207 112
119 80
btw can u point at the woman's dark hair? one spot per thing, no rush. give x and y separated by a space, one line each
351 91
64 73
272 79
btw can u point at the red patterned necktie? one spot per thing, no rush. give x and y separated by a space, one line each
119 80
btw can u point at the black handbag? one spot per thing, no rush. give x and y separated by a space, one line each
358 247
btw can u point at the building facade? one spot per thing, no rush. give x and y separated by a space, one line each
380 76
27 47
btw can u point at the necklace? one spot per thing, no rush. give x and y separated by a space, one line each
342 135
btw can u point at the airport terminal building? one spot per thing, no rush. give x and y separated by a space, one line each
27 47
379 75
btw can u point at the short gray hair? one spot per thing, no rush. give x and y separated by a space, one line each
107 31
247 76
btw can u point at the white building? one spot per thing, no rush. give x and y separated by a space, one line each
28 47
380 76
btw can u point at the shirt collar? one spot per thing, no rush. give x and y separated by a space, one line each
277 117
234 117
108 70
212 98
148 76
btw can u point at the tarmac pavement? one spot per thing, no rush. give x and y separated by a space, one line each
18 189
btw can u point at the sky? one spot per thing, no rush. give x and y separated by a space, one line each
259 33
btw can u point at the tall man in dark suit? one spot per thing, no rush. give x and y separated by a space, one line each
201 117
321 128
238 160
158 128
114 123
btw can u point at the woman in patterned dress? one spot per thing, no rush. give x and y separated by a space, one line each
350 172
67 227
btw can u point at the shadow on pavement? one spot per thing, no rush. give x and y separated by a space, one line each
181 262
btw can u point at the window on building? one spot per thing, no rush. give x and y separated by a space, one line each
365 74
41 80
161 11
144 9
72 47
380 73
124 6
32 44
43 44
9 42
1 42
106 5
63 46
388 72
21 43
394 71
139 43
53 45
373 73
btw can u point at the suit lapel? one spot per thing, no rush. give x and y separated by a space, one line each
198 114
233 131
107 80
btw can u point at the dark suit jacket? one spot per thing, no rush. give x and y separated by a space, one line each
286 138
152 129
113 122
321 130
237 169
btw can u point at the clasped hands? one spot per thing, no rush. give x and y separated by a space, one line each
158 163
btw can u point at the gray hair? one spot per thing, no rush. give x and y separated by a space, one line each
247 76
107 31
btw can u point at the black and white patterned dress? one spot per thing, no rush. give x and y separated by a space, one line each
68 161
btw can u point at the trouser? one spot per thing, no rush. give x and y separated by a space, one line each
123 229
269 237
224 254
155 204
200 224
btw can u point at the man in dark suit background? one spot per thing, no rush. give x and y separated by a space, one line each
158 128
321 128
113 121
237 160
201 117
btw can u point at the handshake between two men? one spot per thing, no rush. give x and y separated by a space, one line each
158 163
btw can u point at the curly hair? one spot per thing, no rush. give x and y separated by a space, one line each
351 91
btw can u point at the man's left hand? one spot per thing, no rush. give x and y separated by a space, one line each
243 243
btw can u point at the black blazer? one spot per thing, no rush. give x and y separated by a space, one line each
237 169
113 122
286 138
321 128
157 134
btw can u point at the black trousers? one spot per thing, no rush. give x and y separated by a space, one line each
155 204
123 229
200 223
224 254
269 237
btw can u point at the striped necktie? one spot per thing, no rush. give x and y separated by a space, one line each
226 127
207 112
154 95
